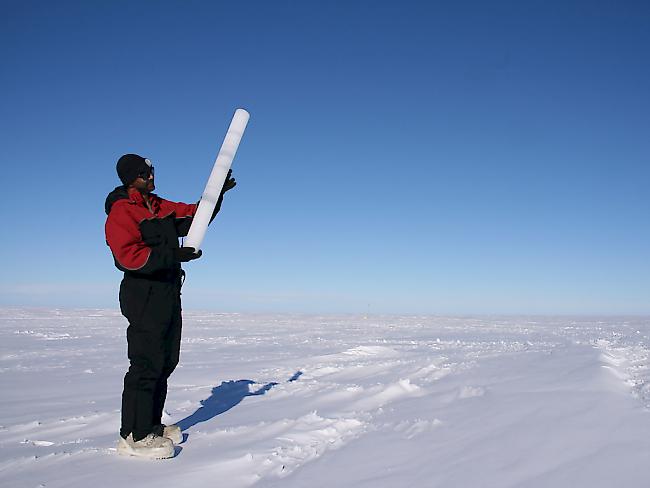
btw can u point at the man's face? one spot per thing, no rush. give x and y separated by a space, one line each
144 183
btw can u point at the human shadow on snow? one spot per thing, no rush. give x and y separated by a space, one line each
224 397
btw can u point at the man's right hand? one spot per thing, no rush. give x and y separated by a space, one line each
185 254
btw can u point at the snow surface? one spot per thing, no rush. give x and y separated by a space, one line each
335 401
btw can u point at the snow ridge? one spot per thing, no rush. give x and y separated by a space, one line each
334 401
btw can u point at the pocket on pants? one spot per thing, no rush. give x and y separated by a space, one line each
134 297
160 306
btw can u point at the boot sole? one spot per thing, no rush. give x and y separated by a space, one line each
176 439
123 449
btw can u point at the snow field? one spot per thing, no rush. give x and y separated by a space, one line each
335 401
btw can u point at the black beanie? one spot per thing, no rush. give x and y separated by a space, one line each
130 166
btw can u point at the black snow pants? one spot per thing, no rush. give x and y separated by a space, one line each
152 305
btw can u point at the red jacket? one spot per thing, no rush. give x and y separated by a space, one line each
142 240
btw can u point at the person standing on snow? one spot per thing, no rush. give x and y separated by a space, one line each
142 231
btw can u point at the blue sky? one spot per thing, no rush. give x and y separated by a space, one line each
401 157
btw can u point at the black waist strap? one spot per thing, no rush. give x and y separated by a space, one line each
164 275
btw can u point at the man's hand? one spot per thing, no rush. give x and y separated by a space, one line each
185 254
229 184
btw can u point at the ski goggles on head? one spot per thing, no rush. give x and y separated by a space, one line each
148 172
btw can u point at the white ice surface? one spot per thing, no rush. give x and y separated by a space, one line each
332 401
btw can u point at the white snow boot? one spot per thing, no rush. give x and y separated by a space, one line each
151 447
173 432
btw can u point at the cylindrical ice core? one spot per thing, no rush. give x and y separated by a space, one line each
217 178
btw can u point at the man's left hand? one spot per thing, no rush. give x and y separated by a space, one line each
229 184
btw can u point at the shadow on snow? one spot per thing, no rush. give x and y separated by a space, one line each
224 397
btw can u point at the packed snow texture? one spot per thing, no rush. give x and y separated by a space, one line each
335 401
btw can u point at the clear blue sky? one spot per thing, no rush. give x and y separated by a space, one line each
406 157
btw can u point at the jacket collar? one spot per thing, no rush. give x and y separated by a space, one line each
136 197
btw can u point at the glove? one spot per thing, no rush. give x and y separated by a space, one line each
229 184
185 254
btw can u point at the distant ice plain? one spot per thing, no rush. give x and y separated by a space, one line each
335 401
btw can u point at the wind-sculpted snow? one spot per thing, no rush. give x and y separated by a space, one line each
629 360
335 401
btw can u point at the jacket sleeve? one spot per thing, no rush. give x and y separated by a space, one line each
217 208
131 253
184 213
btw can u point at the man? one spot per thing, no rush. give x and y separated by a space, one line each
142 231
